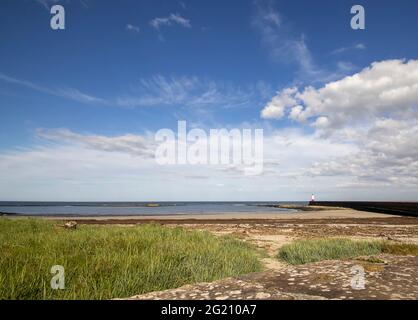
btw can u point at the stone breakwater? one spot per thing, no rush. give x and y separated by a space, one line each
394 208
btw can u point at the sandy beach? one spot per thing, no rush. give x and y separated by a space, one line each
260 216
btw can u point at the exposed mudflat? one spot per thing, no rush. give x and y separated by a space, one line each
225 217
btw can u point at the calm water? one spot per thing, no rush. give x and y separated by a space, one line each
137 208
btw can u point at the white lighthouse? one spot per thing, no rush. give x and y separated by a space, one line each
312 198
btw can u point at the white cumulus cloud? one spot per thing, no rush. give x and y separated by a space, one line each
374 111
384 89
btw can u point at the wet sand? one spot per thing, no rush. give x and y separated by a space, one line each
225 217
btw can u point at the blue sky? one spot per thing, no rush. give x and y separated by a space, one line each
116 71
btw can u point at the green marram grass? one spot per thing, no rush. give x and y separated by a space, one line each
314 250
306 251
104 262
398 248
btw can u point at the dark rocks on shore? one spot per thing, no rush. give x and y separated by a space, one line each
70 225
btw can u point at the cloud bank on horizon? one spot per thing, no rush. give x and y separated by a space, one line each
342 123
375 109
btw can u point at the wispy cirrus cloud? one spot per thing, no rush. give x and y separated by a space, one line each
357 46
136 145
63 92
285 46
47 4
170 20
188 92
276 36
184 91
132 28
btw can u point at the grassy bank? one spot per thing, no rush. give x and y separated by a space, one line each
306 251
103 262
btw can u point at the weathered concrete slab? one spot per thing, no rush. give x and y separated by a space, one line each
396 278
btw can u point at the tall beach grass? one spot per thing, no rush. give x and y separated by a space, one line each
314 250
306 251
103 262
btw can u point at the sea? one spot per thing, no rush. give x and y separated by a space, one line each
138 208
